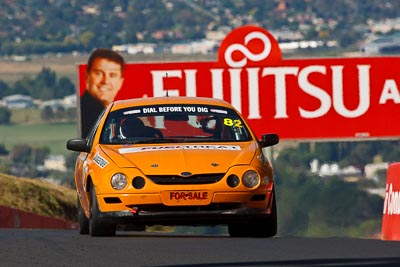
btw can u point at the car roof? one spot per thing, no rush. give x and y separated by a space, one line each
169 100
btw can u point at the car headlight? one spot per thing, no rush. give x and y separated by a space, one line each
119 181
251 179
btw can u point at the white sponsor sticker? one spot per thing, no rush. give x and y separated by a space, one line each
178 147
219 111
135 111
100 161
392 201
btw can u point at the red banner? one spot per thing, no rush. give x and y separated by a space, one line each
391 208
321 98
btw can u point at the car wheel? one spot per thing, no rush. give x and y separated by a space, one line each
83 221
267 227
238 230
257 228
96 226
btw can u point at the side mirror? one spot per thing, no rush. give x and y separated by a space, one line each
269 140
78 145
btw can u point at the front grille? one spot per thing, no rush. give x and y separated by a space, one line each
211 207
194 179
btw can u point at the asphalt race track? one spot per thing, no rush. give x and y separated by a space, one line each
67 248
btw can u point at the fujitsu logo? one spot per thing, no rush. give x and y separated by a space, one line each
392 201
256 57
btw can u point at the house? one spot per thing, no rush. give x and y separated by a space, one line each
195 47
372 169
18 101
54 104
70 101
387 44
55 162
133 49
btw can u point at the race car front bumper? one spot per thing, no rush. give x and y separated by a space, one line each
213 214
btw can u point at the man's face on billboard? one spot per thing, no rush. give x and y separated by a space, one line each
104 80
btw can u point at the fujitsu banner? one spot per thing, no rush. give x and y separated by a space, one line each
318 98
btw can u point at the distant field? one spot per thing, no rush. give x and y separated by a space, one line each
66 65
53 136
27 127
26 116
12 71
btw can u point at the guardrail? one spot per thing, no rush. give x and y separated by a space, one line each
14 218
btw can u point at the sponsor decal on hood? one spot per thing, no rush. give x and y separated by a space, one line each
178 158
100 161
178 147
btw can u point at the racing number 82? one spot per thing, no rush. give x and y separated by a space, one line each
230 122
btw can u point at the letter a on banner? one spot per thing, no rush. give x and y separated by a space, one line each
391 207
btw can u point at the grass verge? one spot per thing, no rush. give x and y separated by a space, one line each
38 196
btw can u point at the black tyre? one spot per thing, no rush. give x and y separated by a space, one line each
267 227
257 228
83 221
96 226
238 230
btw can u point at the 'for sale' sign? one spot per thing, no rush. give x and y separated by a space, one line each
318 98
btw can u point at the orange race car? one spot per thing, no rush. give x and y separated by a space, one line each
174 161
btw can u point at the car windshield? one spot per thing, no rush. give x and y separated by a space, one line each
173 123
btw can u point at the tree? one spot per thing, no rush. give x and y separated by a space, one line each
64 87
309 205
5 115
71 160
47 113
23 86
3 150
3 89
44 84
39 154
21 154
86 39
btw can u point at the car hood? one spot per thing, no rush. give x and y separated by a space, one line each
176 159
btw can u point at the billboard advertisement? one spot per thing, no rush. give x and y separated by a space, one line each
299 99
391 207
